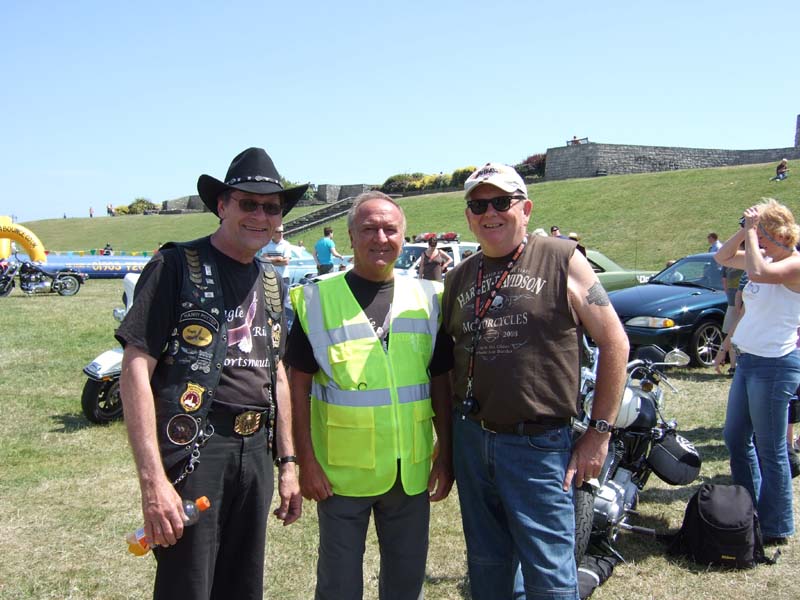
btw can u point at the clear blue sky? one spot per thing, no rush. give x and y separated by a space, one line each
109 101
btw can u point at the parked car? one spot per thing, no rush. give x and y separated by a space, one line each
458 251
680 307
612 276
303 267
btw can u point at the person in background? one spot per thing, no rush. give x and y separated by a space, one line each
556 232
516 359
201 380
324 251
768 362
361 347
713 242
278 252
432 262
781 171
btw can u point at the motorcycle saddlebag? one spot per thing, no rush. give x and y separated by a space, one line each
674 459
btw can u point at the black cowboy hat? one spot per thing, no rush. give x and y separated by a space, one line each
251 171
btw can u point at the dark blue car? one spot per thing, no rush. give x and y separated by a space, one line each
681 307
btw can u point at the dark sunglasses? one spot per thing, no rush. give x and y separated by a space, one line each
500 203
249 205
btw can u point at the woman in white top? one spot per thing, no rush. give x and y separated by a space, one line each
768 363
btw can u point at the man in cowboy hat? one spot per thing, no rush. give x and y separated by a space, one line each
201 382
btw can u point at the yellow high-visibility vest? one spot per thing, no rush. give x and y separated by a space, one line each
370 407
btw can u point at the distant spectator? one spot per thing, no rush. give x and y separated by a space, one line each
301 244
576 238
575 141
781 171
556 232
324 251
91 212
713 242
278 251
65 215
108 250
110 210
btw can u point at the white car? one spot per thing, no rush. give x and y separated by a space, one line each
458 251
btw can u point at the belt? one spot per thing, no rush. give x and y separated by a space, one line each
522 428
244 423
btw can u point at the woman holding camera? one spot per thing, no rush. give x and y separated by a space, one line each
768 362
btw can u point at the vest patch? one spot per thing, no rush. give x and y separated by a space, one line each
197 335
192 397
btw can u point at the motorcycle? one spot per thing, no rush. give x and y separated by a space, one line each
34 279
8 270
100 401
642 442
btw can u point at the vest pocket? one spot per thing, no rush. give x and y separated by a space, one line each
423 431
351 436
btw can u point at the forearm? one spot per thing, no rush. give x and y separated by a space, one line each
283 425
611 376
442 402
728 251
754 260
140 417
300 388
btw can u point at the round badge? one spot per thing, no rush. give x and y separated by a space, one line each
182 429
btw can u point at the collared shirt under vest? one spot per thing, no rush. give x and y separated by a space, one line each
371 407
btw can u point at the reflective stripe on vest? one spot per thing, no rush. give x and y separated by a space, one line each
405 394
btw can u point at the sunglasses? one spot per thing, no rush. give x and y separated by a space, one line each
500 204
249 205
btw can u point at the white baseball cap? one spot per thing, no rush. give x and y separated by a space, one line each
499 175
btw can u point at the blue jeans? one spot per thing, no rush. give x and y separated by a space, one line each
758 404
514 511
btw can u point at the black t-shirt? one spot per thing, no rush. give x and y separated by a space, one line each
375 299
245 378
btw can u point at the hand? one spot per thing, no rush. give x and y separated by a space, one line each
751 217
721 354
440 481
162 509
314 484
588 456
289 490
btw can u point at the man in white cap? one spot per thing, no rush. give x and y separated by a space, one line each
277 252
515 311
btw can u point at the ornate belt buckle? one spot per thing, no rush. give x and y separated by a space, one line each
247 423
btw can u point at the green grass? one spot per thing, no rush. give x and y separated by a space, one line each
640 221
69 492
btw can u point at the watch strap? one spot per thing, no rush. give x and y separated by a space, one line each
282 460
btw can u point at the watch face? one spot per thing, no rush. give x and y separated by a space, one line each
602 426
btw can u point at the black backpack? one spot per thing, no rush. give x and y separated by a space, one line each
720 527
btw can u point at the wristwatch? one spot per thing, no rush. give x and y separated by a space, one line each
285 459
600 425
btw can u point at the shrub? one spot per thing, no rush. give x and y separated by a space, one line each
533 165
140 205
459 176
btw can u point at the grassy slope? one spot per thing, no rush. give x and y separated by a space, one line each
638 220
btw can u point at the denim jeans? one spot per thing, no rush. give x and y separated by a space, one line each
515 512
758 404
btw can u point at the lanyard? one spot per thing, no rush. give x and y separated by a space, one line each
480 312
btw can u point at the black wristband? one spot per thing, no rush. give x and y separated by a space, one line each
285 459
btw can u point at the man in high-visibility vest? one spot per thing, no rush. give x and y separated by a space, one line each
360 348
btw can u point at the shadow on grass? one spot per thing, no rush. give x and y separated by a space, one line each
708 442
70 423
702 377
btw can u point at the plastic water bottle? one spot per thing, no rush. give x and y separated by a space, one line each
139 545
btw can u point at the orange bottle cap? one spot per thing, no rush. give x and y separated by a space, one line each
203 503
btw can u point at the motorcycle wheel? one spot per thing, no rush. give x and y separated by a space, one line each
69 285
101 402
584 515
5 292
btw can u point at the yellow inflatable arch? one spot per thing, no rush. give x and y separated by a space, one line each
23 235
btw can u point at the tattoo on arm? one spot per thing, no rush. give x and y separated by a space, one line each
597 295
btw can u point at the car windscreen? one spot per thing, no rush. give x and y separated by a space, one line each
408 257
699 270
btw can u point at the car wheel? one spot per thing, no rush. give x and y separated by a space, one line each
706 340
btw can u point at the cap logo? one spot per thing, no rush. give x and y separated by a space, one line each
486 171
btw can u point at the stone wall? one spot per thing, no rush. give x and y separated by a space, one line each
590 160
328 193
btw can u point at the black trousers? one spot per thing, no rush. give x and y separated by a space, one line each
222 555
